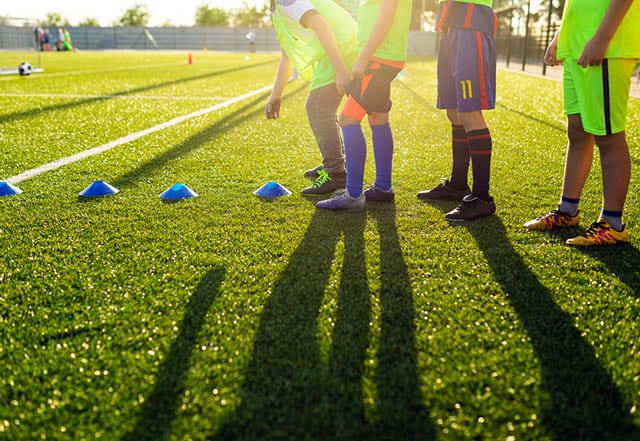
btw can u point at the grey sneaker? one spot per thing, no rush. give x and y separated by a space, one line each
471 207
376 194
444 192
313 173
342 201
326 183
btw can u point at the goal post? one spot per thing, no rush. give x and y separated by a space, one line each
20 41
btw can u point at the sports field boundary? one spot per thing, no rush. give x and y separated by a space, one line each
53 165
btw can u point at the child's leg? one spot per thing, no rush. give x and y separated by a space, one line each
355 156
382 139
577 165
616 174
480 149
322 106
460 152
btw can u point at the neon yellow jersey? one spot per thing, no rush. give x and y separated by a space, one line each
394 46
475 2
581 19
305 50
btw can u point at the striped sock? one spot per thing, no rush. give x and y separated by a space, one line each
461 157
480 150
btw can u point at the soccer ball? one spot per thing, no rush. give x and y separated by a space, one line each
24 69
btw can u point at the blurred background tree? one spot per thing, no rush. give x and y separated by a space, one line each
137 15
208 16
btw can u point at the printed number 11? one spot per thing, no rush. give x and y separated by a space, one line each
467 91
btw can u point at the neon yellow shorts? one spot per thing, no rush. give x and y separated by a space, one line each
600 94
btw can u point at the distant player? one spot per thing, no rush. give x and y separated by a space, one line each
383 32
466 87
598 45
318 38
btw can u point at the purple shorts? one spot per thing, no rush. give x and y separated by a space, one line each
466 70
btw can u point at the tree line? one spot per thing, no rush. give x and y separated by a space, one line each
254 16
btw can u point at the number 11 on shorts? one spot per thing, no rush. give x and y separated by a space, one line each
467 90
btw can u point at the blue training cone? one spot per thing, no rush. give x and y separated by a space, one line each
272 190
7 189
178 191
98 188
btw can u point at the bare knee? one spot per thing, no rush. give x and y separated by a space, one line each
377 119
575 132
346 120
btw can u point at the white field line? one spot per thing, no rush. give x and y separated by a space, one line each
129 138
138 97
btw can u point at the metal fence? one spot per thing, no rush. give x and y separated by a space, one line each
173 38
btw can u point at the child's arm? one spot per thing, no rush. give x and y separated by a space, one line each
316 22
595 49
378 34
272 109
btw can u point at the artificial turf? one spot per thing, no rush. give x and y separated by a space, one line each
231 317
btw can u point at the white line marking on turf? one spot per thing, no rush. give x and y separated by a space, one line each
132 137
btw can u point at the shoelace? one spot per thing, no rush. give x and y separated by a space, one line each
322 178
595 229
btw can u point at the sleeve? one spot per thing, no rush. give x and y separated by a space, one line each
295 9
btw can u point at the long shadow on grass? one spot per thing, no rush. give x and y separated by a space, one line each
584 402
290 393
120 94
195 142
401 411
159 409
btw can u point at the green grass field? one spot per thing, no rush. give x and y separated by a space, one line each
228 317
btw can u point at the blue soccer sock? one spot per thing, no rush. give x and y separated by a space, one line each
569 206
382 140
355 153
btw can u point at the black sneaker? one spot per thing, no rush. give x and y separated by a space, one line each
376 194
471 207
326 184
445 192
313 173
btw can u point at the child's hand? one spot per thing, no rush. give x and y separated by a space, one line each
550 54
343 78
359 68
272 110
593 52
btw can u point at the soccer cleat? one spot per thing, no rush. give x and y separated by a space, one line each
599 233
325 184
376 194
471 207
553 219
342 201
313 173
445 192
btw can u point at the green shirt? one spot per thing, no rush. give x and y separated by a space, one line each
581 19
394 46
304 49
